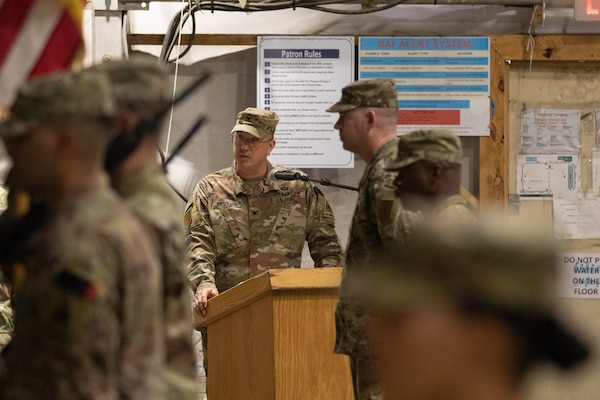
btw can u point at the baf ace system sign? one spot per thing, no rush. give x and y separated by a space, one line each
580 275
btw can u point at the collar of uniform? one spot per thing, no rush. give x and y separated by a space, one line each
268 184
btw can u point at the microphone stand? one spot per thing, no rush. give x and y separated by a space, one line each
327 182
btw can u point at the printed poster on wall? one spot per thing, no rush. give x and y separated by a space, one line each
542 175
442 82
299 77
579 275
550 131
576 216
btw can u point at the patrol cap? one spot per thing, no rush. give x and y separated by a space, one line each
259 123
510 271
55 97
136 80
432 145
378 93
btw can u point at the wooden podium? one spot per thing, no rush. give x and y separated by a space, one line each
272 337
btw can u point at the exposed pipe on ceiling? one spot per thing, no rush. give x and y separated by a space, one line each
514 3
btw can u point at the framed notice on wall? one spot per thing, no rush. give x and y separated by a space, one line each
300 77
442 82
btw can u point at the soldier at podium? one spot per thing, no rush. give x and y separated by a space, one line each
242 221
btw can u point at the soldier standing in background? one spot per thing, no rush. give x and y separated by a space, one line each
428 176
141 89
367 126
242 221
89 318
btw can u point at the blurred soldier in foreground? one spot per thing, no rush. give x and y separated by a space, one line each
242 221
464 313
428 176
141 89
367 125
88 323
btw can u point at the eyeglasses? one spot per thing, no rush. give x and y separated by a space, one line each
251 142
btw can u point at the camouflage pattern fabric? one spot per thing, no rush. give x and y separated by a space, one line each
6 313
453 211
153 201
89 322
372 231
363 370
259 123
6 310
377 93
236 232
432 145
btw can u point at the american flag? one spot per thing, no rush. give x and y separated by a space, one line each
37 37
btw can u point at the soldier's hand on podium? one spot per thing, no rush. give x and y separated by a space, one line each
201 299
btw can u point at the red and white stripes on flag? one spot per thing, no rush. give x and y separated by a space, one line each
36 37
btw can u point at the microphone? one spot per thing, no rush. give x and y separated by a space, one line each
287 175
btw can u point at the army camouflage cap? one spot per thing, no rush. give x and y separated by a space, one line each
487 265
432 145
378 93
136 80
56 97
259 123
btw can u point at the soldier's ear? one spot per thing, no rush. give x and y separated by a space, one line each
370 116
437 170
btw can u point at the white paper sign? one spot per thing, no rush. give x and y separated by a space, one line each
576 216
579 275
550 131
299 78
546 174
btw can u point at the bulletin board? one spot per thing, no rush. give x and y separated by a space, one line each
552 82
506 51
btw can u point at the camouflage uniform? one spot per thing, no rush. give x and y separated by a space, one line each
89 320
238 229
152 200
236 232
143 88
6 310
372 232
86 328
454 210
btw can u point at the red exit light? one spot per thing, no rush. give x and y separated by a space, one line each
587 10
